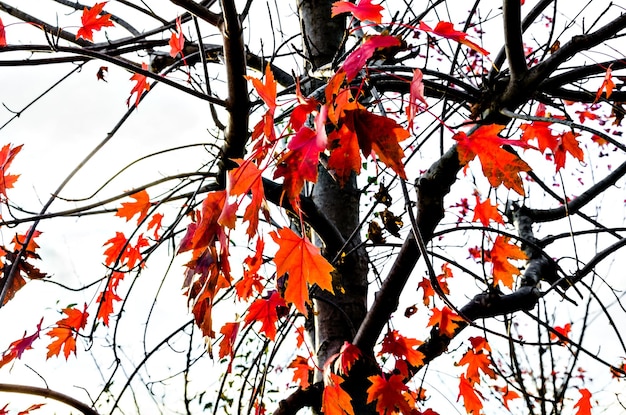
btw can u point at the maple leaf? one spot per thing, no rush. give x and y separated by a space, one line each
607 85
499 166
177 40
476 361
446 29
267 89
364 10
115 251
447 320
227 344
106 297
335 400
471 399
247 179
3 37
485 211
381 135
264 310
479 343
507 395
416 94
92 21
562 333
251 280
31 408
31 248
357 59
501 252
18 347
207 230
140 85
100 75
155 223
140 205
303 263
402 348
7 154
300 113
301 372
584 403
344 155
388 394
348 355
66 331
567 143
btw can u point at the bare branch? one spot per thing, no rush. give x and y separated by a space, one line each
513 44
49 393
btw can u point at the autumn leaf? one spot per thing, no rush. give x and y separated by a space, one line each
348 355
607 85
3 37
106 297
66 330
102 71
479 343
247 179
476 361
139 206
303 263
471 399
335 400
31 249
92 21
18 347
31 408
567 143
507 395
302 370
264 310
357 59
446 29
118 246
251 280
140 85
267 89
584 403
345 156
364 10
447 320
501 252
155 222
177 40
416 94
7 154
499 166
388 394
402 348
562 333
227 344
207 230
485 211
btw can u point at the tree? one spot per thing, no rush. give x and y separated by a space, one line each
410 190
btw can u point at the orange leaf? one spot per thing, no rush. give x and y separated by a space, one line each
388 394
264 310
91 21
562 333
501 252
243 180
301 372
303 263
584 403
607 85
344 155
446 29
3 37
267 89
155 223
429 292
114 253
251 280
177 40
229 330
416 94
402 348
499 166
30 408
357 59
485 211
207 230
475 361
141 85
140 205
365 10
479 343
471 399
65 332
567 143
335 400
348 354
507 395
7 154
447 320
107 297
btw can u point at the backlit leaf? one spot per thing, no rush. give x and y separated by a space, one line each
388 394
227 344
476 361
607 84
501 252
92 21
567 143
177 40
471 399
364 10
3 37
18 347
302 370
139 206
446 29
264 310
584 403
335 400
485 211
141 85
65 332
447 320
357 59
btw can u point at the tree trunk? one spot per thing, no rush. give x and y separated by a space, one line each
337 318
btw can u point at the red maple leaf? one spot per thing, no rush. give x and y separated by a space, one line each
388 394
207 230
335 400
567 143
416 94
107 297
140 85
507 395
402 348
501 252
66 331
264 310
562 333
300 113
3 37
345 156
357 59
227 344
302 370
476 361
485 211
303 263
7 154
499 166
447 320
364 10
348 355
479 343
115 252
140 205
30 408
17 348
607 84
177 40
247 179
251 280
100 75
31 248
155 222
584 403
446 29
92 21
429 292
471 399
